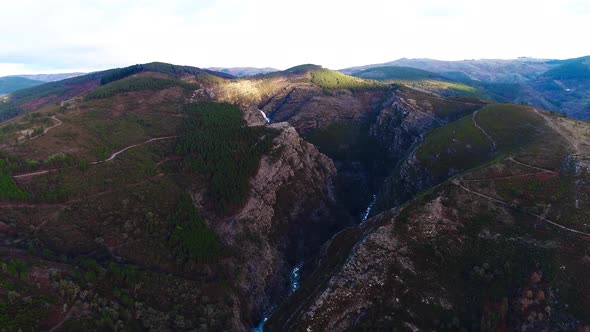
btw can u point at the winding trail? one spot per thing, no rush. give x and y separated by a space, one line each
515 176
111 158
473 115
46 130
25 175
19 204
559 130
542 170
114 155
490 198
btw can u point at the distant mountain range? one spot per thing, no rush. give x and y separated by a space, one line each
51 77
243 71
489 70
556 85
9 84
13 83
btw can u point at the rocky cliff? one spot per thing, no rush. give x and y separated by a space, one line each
407 116
289 212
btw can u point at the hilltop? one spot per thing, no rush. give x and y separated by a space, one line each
243 71
29 99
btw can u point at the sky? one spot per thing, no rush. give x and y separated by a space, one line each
41 36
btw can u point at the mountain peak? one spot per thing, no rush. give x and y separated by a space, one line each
302 69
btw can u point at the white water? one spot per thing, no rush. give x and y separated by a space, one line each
369 208
265 117
294 277
295 273
260 326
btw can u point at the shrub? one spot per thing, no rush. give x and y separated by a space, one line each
83 165
8 187
15 267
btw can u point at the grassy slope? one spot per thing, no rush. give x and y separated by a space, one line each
417 78
139 200
396 73
137 84
332 80
510 259
461 146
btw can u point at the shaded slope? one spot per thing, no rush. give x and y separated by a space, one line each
12 83
499 247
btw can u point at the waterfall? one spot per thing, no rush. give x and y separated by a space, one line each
264 115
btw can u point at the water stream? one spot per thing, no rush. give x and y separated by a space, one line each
294 281
295 273
369 208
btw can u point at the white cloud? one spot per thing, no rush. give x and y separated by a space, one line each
62 35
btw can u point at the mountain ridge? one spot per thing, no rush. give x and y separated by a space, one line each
169 197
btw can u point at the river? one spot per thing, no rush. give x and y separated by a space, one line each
295 273
369 208
294 280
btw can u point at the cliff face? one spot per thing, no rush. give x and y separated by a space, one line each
402 123
401 126
289 213
308 107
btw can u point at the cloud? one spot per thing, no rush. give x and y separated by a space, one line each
64 34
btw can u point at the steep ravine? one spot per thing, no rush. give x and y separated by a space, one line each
290 212
390 125
295 275
398 124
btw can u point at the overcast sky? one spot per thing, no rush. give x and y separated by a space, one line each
61 35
